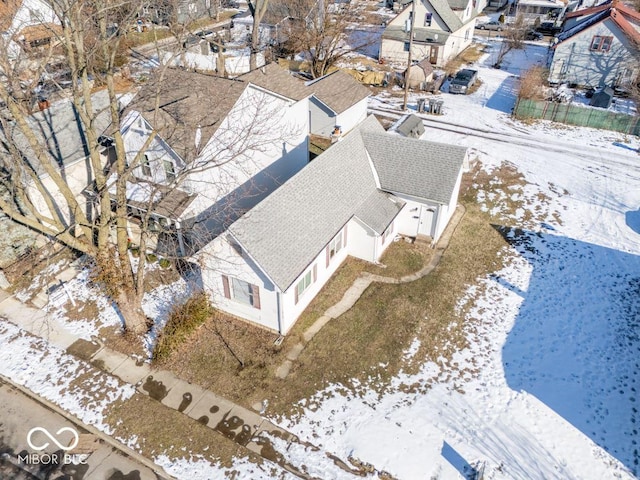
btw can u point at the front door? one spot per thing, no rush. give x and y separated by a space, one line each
425 226
433 57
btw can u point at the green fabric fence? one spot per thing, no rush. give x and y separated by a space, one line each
576 115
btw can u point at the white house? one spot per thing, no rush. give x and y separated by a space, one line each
65 144
213 148
442 29
351 200
598 46
337 101
27 24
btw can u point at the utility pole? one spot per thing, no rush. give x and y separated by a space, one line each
406 73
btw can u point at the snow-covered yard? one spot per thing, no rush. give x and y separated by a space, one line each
548 383
553 336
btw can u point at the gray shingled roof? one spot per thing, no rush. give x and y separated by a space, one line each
410 126
428 35
338 90
276 79
286 231
379 210
60 130
426 170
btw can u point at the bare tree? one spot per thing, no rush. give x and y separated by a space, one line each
327 32
258 9
35 178
513 39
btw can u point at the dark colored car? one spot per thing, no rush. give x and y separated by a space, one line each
463 81
533 35
548 28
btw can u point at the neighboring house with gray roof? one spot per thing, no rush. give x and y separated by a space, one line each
60 132
442 29
598 47
354 199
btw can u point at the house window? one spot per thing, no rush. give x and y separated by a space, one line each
241 291
146 167
427 19
304 283
466 34
406 46
335 245
601 44
169 170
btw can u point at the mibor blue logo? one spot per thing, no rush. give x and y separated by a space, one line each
38 443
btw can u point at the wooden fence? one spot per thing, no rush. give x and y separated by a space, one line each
577 115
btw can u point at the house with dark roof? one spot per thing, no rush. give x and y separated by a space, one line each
64 151
211 148
354 199
598 46
442 29
27 24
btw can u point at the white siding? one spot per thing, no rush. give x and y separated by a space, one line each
292 310
574 61
352 116
263 140
363 241
457 41
219 258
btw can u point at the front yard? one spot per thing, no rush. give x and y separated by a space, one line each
238 360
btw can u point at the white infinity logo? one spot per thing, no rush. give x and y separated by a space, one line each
73 445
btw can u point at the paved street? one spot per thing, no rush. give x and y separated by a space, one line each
91 459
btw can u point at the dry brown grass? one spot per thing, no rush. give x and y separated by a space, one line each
469 55
162 430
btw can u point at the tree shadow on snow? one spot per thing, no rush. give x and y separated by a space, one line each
575 344
504 98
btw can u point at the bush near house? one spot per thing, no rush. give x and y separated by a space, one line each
532 83
184 319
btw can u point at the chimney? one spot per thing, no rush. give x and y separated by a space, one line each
43 104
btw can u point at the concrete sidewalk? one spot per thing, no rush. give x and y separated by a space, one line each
241 425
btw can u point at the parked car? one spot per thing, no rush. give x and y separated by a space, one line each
492 25
548 28
533 35
463 81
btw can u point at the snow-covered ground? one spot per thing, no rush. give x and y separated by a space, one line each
553 335
553 342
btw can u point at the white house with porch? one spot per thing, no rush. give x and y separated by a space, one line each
354 199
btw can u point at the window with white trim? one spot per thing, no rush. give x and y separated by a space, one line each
241 291
304 283
600 43
427 19
335 245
